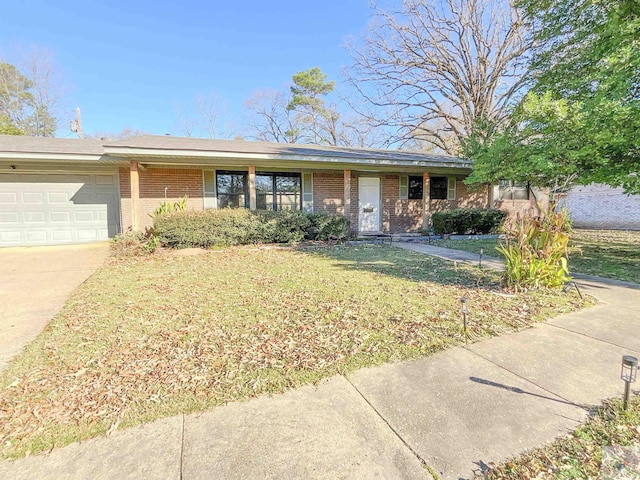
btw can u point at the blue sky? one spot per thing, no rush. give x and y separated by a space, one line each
131 64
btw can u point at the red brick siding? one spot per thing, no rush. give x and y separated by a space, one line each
399 216
354 205
328 193
472 198
179 182
465 198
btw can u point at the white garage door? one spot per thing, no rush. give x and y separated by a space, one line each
48 209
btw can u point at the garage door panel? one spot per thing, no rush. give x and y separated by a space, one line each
58 197
9 217
10 237
37 209
32 198
36 236
8 198
34 217
84 216
60 217
62 235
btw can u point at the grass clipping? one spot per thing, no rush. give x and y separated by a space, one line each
160 335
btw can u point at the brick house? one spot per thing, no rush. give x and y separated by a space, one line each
601 206
56 190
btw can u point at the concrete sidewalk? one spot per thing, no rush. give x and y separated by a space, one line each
450 413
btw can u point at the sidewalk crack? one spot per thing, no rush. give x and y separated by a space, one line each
592 337
182 448
422 461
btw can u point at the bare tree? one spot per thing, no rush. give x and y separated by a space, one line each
435 68
303 115
126 132
208 119
269 118
31 92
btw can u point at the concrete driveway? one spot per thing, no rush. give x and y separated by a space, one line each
35 282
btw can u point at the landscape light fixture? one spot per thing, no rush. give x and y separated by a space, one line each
465 312
481 253
628 374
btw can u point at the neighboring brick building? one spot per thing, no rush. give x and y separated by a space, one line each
67 191
601 206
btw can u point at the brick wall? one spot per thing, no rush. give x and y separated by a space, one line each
519 208
399 216
472 198
328 193
465 198
600 206
178 182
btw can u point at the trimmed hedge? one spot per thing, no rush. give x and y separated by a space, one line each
228 227
468 221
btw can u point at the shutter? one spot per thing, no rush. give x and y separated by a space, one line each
307 192
403 193
209 189
451 188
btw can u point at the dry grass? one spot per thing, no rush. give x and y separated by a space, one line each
168 334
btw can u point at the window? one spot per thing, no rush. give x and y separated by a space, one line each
510 190
232 189
278 191
415 188
411 187
438 187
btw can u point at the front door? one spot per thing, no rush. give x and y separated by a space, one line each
369 204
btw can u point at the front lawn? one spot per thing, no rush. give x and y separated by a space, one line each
605 253
169 334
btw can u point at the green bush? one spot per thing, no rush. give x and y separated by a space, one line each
241 227
536 251
283 226
468 221
323 227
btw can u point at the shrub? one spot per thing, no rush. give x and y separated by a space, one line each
208 228
536 250
468 221
132 243
325 227
241 227
283 226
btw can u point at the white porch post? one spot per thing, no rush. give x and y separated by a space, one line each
134 177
